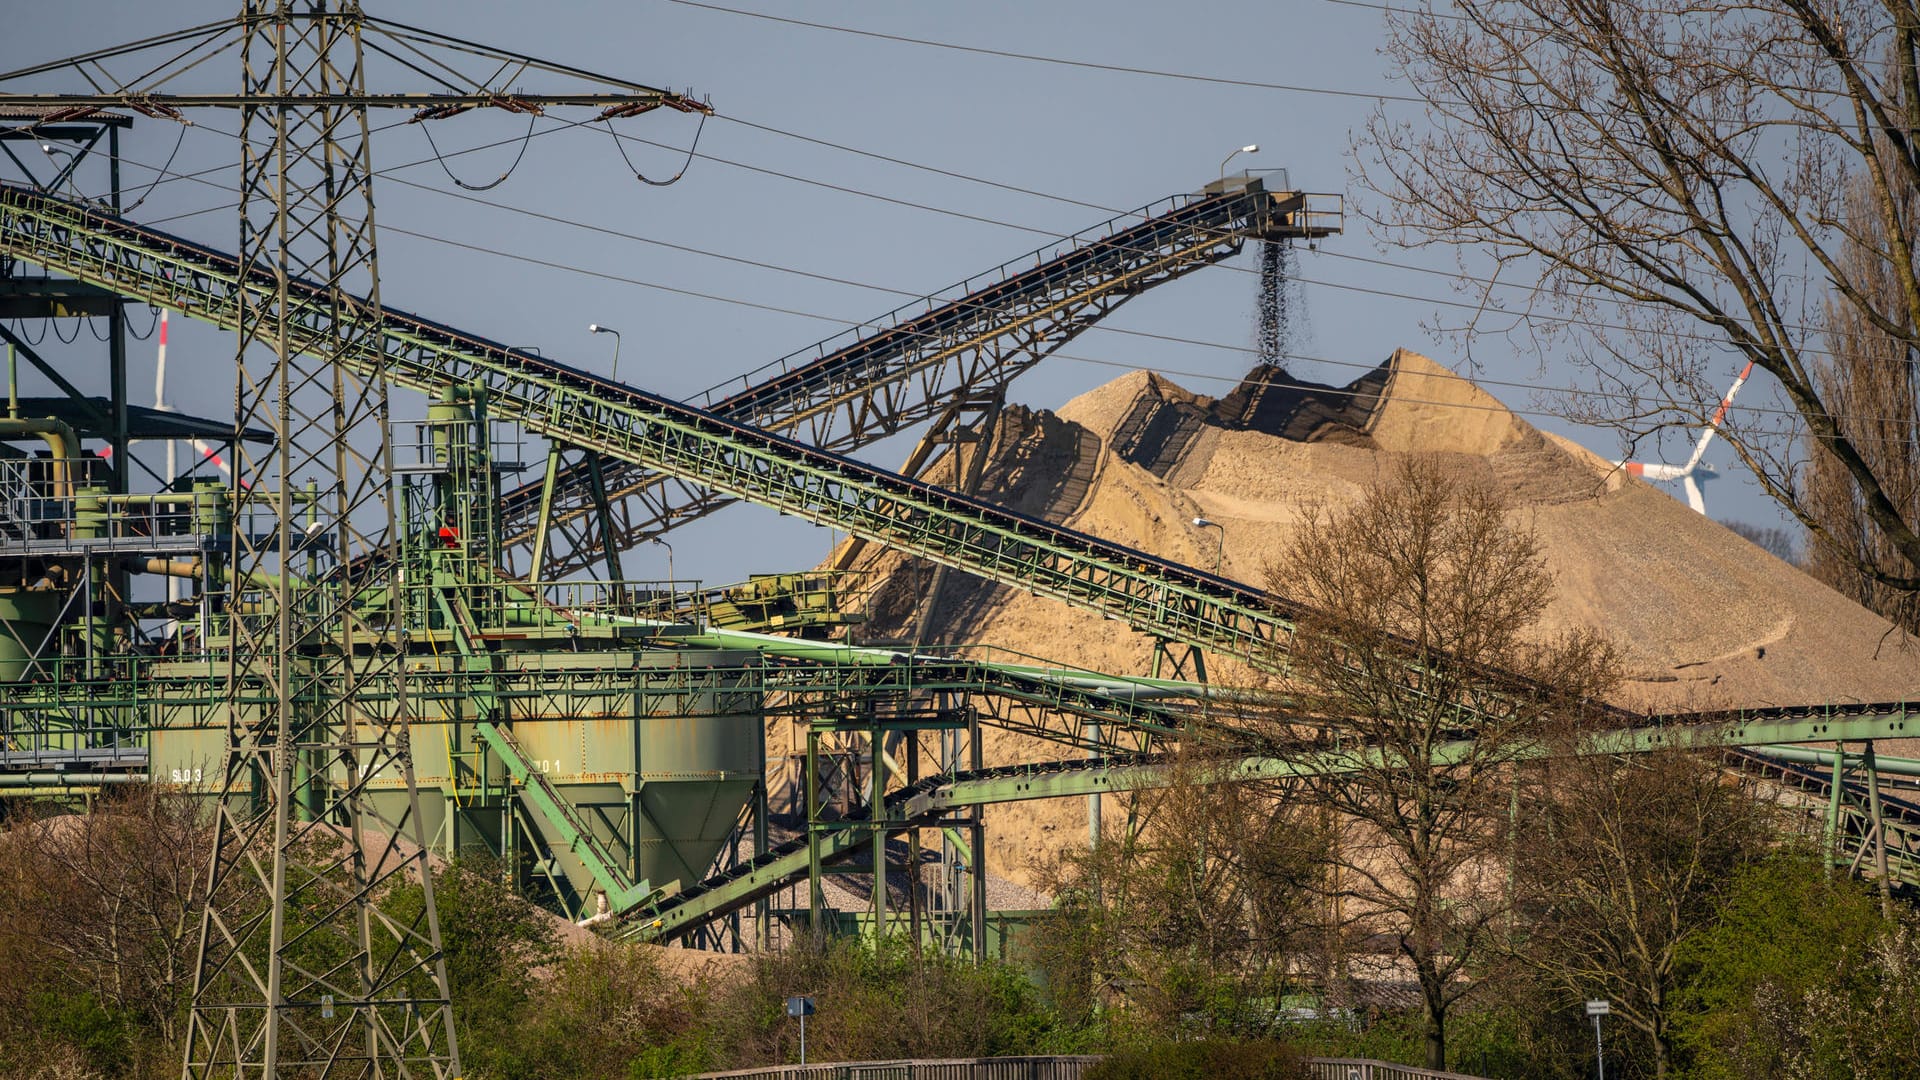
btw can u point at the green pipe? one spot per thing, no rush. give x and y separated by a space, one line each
1805 755
61 440
17 780
796 649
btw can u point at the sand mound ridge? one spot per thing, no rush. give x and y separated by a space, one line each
1705 619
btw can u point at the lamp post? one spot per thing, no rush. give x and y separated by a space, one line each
1220 548
596 328
671 587
67 170
1250 148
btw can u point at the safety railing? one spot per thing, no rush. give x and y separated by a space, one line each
1042 1068
1000 1068
1369 1069
920 306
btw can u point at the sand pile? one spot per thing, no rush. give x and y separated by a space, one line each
1706 619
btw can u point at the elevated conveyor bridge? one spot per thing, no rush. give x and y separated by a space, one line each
572 406
924 361
742 461
1859 819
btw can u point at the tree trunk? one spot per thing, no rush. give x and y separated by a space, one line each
1436 1003
1436 1037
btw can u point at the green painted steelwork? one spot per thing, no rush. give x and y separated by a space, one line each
576 836
922 362
619 422
506 666
931 800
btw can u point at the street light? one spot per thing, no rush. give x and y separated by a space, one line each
1250 148
1220 549
66 171
671 587
596 328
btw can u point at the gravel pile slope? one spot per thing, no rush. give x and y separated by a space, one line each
1706 619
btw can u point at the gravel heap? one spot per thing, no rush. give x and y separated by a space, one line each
1704 618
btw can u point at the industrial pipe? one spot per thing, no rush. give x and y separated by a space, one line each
190 568
60 440
73 779
1804 755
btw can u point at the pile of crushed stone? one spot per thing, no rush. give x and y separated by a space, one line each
1704 618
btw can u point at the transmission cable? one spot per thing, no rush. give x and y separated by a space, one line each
1364 290
1568 391
692 152
1060 61
159 174
427 130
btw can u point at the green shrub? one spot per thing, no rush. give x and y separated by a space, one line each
103 1036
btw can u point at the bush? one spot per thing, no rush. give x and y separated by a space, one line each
880 1001
1205 1059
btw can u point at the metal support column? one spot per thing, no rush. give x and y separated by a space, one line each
915 902
877 823
762 908
601 507
979 830
1879 824
1836 788
545 526
122 471
816 894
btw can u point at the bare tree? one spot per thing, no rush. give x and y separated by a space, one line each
1872 380
1675 177
103 904
1622 862
1200 911
1421 597
1771 539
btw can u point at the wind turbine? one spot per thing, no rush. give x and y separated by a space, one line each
1695 472
207 453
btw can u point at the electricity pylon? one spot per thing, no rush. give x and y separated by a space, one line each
301 970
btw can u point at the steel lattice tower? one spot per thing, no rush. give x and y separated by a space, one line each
299 967
300 970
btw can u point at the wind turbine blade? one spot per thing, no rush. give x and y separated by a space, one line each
160 367
1695 498
1719 415
207 453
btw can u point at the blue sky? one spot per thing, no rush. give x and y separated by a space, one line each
1108 138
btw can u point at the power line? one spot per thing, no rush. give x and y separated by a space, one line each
1055 60
1053 235
1048 233
1569 391
1366 290
839 320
